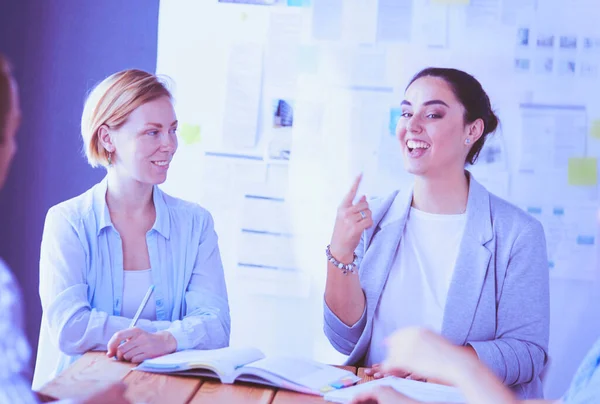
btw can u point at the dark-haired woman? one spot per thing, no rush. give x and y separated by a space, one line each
448 255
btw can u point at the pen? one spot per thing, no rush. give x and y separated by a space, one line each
142 305
139 311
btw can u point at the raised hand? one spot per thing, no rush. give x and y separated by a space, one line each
352 219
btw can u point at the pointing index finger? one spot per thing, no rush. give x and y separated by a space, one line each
352 194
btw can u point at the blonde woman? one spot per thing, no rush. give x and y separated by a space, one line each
102 250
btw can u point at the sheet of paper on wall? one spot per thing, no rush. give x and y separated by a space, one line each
482 13
327 19
571 238
282 51
266 214
359 22
390 173
527 187
551 135
362 68
432 22
270 282
495 181
394 20
242 99
514 11
275 251
368 118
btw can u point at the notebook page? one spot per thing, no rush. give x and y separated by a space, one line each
304 372
426 392
226 359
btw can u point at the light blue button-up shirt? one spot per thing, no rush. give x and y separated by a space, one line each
585 387
81 279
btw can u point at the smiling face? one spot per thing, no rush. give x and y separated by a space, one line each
432 129
145 144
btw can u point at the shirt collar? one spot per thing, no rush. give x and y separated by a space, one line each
162 224
100 206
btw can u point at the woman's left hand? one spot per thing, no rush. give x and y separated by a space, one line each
140 345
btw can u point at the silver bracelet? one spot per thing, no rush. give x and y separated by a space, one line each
351 267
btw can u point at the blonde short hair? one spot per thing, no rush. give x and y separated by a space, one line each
111 102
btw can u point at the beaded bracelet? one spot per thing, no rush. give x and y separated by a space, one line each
351 267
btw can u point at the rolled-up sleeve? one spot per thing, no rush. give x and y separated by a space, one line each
206 324
519 353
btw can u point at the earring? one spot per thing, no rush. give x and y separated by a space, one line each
109 159
467 141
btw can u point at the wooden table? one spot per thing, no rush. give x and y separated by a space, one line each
94 370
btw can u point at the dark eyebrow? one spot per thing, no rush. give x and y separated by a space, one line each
432 102
436 102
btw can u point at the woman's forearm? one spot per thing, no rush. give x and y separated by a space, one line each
344 295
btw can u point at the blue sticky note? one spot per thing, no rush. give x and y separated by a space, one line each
558 211
298 3
534 210
395 114
585 240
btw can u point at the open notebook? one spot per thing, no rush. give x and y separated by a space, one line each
250 365
425 392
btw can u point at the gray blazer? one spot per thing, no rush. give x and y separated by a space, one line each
498 301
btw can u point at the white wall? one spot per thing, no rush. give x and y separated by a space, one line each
344 70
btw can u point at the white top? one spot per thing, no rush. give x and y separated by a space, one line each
417 286
135 287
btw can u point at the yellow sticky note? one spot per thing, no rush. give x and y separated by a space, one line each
595 129
189 133
583 171
459 2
